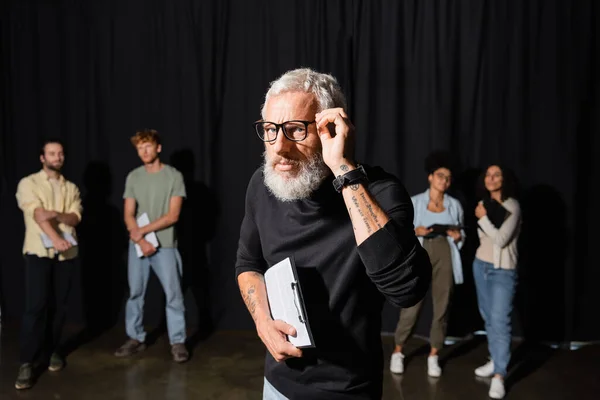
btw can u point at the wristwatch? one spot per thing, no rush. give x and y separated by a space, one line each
357 175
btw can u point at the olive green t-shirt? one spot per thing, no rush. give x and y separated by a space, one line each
152 193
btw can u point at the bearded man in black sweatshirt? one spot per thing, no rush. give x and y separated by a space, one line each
349 228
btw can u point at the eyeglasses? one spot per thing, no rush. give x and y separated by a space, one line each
295 130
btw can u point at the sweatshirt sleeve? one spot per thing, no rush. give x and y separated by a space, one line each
249 253
394 259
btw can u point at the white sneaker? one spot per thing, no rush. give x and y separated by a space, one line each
497 389
397 363
486 370
433 368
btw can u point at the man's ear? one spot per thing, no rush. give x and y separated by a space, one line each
42 159
159 148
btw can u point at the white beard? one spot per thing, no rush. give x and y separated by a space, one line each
310 176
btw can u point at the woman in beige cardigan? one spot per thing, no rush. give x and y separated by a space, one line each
494 269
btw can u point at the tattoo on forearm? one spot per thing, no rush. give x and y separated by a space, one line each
250 300
363 216
355 201
344 167
351 219
355 187
369 206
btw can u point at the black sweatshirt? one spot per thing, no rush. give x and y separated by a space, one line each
343 285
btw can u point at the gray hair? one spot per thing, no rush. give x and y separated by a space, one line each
325 87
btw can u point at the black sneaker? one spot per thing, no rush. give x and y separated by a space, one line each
56 363
25 377
130 347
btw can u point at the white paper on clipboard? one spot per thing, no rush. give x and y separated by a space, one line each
286 302
143 220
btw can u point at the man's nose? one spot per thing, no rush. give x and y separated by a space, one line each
281 144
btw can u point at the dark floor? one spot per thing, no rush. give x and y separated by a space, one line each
228 365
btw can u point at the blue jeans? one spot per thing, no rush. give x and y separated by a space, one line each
270 393
495 292
166 263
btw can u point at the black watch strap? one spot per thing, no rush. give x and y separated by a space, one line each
357 175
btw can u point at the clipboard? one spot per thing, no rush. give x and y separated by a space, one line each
496 212
65 235
286 302
440 229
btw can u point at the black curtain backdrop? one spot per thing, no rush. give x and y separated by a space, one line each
512 81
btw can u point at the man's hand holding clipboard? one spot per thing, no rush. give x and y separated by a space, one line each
273 334
288 331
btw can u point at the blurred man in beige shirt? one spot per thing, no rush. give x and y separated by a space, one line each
51 207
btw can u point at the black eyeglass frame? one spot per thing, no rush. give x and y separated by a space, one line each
281 126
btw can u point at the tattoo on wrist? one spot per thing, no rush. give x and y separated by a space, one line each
344 167
355 187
